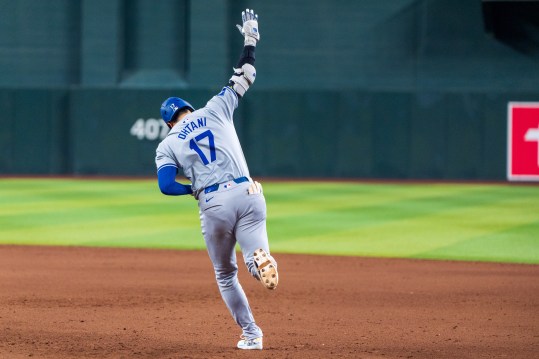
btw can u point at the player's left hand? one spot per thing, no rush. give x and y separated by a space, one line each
249 30
255 188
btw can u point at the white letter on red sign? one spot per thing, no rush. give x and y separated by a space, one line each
533 135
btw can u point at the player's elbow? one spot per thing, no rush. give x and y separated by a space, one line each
171 188
242 79
165 189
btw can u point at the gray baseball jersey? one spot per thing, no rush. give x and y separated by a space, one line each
205 144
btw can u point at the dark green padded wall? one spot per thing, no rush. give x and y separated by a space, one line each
36 131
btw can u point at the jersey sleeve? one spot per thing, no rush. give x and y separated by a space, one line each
224 103
163 158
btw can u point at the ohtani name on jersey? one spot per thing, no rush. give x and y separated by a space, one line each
191 126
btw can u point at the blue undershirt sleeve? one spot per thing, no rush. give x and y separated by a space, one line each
166 178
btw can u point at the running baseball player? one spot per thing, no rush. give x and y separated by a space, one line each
204 144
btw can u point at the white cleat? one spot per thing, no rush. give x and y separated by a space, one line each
250 344
266 268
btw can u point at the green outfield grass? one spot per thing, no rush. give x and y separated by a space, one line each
439 221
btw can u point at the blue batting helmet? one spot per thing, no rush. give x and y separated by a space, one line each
171 107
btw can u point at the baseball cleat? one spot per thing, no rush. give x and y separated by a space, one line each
266 268
250 344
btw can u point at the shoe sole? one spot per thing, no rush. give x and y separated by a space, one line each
267 269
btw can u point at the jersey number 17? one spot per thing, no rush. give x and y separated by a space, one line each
193 144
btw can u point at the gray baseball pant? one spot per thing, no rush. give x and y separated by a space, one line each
227 216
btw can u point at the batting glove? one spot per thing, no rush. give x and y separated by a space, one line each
249 30
255 188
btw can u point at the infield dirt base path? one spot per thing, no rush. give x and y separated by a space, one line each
59 302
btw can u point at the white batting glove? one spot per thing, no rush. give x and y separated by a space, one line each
249 30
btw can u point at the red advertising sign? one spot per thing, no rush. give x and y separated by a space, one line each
523 141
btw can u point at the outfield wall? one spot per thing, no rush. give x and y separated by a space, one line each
399 134
412 89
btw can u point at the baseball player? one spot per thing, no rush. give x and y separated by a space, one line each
204 144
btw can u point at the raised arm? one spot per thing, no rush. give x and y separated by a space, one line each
244 72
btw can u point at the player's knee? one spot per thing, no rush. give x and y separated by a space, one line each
226 278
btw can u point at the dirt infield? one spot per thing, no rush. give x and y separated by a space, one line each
127 303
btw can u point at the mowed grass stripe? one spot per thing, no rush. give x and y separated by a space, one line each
444 221
363 211
422 236
514 244
422 227
85 212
